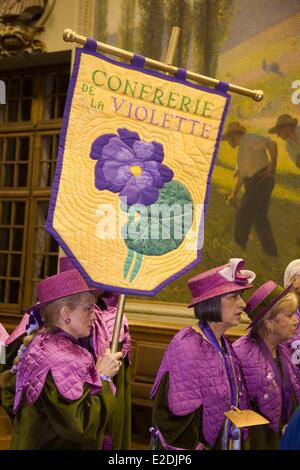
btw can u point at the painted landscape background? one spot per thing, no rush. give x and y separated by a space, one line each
259 50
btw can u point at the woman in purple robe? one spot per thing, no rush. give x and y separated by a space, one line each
64 399
272 379
199 378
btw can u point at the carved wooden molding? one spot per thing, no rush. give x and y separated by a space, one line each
167 313
153 315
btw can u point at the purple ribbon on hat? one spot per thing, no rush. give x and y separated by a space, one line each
241 278
34 322
234 272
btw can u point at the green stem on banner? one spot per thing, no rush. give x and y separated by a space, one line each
137 266
128 263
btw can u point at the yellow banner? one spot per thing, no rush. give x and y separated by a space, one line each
135 160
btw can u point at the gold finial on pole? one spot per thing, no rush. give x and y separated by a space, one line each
71 36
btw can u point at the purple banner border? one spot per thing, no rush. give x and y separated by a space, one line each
49 223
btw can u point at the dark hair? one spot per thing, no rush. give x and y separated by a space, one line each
209 310
101 303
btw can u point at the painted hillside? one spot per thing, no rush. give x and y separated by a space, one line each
269 61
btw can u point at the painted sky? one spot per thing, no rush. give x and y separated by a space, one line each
251 18
254 16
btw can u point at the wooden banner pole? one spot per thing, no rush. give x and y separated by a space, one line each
118 323
71 36
121 304
172 45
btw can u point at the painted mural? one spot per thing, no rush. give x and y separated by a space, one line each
255 45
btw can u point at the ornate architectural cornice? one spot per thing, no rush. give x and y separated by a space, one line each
21 22
19 39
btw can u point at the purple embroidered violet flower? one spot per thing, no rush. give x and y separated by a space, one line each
129 166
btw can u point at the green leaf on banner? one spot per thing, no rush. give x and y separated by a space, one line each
161 227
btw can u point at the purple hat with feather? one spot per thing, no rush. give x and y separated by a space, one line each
230 277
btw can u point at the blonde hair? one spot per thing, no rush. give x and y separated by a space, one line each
50 313
50 316
288 302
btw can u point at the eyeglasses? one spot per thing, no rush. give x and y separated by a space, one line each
87 306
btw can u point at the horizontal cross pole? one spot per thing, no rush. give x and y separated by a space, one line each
71 36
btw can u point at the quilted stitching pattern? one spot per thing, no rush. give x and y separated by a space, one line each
109 316
189 152
99 333
260 381
70 364
296 337
197 376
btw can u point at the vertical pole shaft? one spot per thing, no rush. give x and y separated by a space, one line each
120 310
172 45
118 323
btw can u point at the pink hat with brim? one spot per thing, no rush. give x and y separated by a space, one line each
220 281
61 285
65 264
263 299
110 298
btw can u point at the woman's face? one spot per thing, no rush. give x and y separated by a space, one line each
81 318
285 324
232 306
296 284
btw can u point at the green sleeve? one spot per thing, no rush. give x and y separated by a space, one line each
120 425
79 420
11 353
178 431
8 394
